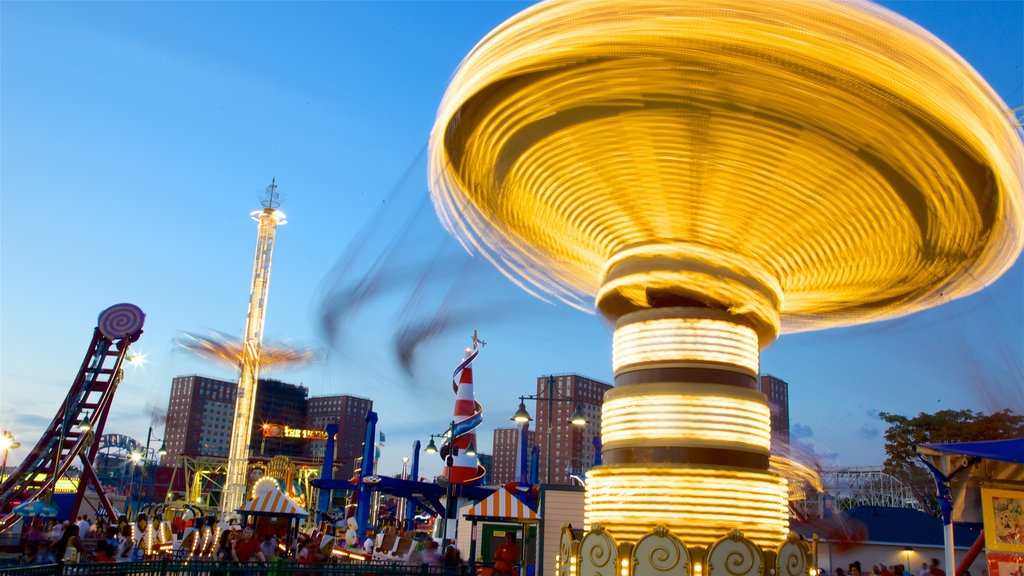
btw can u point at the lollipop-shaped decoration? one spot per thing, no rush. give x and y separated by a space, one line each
709 174
121 321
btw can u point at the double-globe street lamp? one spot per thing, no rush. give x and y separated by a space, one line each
453 451
522 416
137 461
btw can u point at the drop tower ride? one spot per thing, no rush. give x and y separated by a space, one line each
269 218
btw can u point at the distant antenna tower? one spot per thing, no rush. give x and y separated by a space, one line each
252 347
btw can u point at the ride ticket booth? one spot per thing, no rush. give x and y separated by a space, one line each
487 522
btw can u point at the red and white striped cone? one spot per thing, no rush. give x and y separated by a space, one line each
464 468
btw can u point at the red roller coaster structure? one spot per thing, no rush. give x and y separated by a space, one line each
88 400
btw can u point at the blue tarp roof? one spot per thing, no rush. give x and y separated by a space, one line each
883 525
1011 450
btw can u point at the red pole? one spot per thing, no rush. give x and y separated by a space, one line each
968 559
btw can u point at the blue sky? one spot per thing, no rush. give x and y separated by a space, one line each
135 138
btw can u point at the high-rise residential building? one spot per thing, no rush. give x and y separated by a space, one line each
572 447
506 454
349 413
777 391
278 403
200 413
201 410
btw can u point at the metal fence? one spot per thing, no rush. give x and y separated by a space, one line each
206 568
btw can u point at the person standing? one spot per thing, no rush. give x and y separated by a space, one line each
507 556
70 548
269 547
934 569
125 544
84 526
247 548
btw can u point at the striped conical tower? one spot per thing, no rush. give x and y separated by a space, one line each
465 469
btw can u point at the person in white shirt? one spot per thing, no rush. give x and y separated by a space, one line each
84 527
369 543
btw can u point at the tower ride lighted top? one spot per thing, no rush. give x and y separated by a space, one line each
713 173
245 399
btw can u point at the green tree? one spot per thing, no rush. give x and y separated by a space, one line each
946 426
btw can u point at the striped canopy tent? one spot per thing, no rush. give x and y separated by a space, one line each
266 511
273 503
503 503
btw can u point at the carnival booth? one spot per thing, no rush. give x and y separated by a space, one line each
485 524
273 512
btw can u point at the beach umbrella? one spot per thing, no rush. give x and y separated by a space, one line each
36 510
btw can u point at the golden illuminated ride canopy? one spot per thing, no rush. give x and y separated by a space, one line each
712 173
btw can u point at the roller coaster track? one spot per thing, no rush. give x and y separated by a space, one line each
63 441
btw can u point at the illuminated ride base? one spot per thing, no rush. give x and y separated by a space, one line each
712 173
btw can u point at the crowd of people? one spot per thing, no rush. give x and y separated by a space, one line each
927 569
83 540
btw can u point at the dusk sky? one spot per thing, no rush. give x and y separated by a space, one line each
136 137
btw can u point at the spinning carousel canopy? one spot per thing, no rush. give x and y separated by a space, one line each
802 164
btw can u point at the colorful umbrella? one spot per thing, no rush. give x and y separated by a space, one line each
36 510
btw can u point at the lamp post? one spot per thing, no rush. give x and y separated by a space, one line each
449 459
135 458
7 443
141 460
906 556
521 415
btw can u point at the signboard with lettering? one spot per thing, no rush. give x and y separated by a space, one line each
282 431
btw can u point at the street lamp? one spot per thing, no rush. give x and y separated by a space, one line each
449 458
521 416
7 443
135 458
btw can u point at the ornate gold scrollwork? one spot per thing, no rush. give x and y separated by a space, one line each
734 555
793 557
660 553
565 552
598 553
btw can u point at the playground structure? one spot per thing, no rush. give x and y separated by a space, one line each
79 419
685 167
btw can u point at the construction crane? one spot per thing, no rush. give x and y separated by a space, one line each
269 218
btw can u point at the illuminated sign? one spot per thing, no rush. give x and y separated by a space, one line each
282 431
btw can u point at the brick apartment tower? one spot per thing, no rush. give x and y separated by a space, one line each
201 410
506 451
199 417
349 413
777 391
572 447
278 403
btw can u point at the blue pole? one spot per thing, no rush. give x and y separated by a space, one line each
414 475
363 503
535 465
597 450
524 449
323 503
